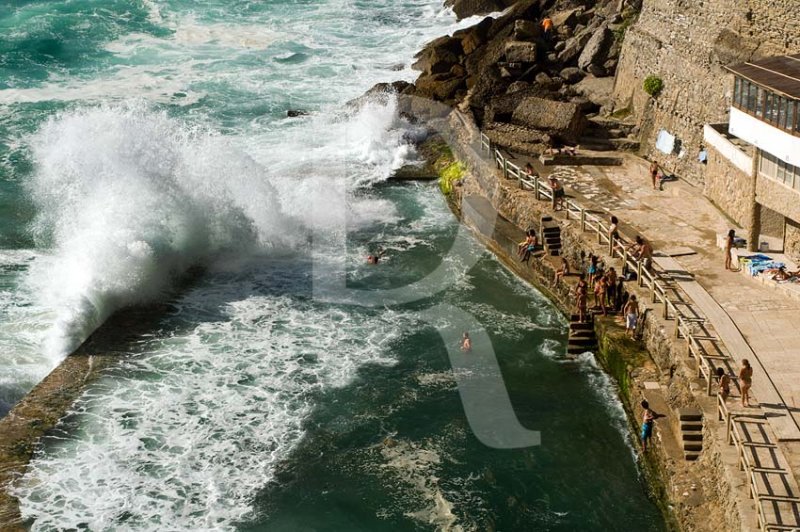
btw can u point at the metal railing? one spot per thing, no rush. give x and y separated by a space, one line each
651 278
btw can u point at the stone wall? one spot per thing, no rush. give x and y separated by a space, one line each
770 223
687 43
729 188
778 197
791 240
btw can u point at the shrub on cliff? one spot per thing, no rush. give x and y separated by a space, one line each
653 85
449 175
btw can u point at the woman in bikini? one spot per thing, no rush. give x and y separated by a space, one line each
728 247
746 381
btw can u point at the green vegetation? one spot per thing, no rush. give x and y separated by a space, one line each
653 85
448 175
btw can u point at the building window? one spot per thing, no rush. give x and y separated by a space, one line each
778 170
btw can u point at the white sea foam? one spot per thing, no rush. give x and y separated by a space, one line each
194 429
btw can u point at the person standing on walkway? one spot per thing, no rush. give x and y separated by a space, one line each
654 174
746 381
648 420
611 287
724 384
557 191
729 240
631 313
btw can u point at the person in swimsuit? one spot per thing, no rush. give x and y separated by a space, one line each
600 295
466 343
728 247
648 420
580 297
611 287
631 313
654 174
724 384
558 193
530 236
746 381
562 271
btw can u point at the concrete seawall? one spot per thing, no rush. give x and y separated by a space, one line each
51 400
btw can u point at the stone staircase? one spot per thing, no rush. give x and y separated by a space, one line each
551 235
581 335
691 432
608 135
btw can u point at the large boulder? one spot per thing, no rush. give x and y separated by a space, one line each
526 30
568 17
574 46
520 52
441 87
596 50
439 56
469 8
558 119
571 74
474 36
519 139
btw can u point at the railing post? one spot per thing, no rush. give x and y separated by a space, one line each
653 291
666 307
583 220
639 277
677 326
505 168
611 245
599 233
566 209
536 187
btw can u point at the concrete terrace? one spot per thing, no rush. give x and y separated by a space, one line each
752 319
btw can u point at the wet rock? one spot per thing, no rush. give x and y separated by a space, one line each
517 138
469 8
596 50
559 46
294 113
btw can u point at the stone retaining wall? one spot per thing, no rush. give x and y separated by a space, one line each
687 43
671 478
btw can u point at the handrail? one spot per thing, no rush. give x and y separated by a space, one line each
684 325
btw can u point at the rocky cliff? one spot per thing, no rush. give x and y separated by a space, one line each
524 85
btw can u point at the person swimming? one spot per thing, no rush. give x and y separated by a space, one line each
374 259
466 343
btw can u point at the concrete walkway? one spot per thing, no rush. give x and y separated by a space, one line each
754 321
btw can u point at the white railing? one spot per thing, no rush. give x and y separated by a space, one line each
685 325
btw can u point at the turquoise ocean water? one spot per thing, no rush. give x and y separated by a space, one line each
146 156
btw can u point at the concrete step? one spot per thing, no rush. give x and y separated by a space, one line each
694 446
554 252
691 425
690 414
578 350
691 435
581 333
574 319
691 456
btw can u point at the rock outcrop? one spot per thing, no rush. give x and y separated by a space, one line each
516 79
